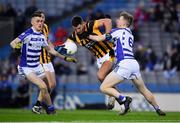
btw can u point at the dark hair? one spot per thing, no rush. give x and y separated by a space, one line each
76 20
37 13
107 16
128 17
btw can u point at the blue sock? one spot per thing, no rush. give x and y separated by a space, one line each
122 98
50 108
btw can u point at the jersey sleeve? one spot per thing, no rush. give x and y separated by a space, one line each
23 35
90 25
95 25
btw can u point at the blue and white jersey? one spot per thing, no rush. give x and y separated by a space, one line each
32 42
123 43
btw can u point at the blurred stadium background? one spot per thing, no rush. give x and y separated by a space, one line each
157 48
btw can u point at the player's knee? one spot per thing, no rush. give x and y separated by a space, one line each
102 88
52 86
100 76
43 88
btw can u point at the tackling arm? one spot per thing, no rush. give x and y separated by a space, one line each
50 44
105 37
97 38
107 23
55 53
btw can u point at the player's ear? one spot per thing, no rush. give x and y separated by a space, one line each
32 21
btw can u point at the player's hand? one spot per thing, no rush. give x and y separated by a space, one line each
60 49
70 59
18 45
17 49
109 38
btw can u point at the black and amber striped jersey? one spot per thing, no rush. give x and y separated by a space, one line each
45 56
98 49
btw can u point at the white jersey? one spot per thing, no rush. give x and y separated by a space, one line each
127 67
32 42
123 43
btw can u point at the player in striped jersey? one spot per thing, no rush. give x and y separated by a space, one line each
127 67
32 42
45 60
103 51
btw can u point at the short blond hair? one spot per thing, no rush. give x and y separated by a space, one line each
128 17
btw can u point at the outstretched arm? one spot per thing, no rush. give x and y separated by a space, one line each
97 37
51 50
15 42
105 37
50 44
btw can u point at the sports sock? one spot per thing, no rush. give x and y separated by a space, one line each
50 108
122 98
156 107
38 103
44 105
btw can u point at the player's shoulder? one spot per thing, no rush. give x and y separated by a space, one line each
119 30
46 26
114 30
72 36
26 33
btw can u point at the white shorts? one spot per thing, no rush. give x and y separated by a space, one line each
127 69
24 71
100 61
48 67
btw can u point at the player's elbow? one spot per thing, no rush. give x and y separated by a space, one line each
12 44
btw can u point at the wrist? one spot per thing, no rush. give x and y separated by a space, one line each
108 36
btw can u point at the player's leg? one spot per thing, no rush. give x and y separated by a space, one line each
37 108
39 105
50 75
51 83
105 68
107 87
41 85
44 94
49 78
147 94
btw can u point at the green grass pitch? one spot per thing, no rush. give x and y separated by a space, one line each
85 116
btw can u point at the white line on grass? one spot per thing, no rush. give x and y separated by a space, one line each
166 121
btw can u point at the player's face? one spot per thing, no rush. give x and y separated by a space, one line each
121 22
37 23
79 29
